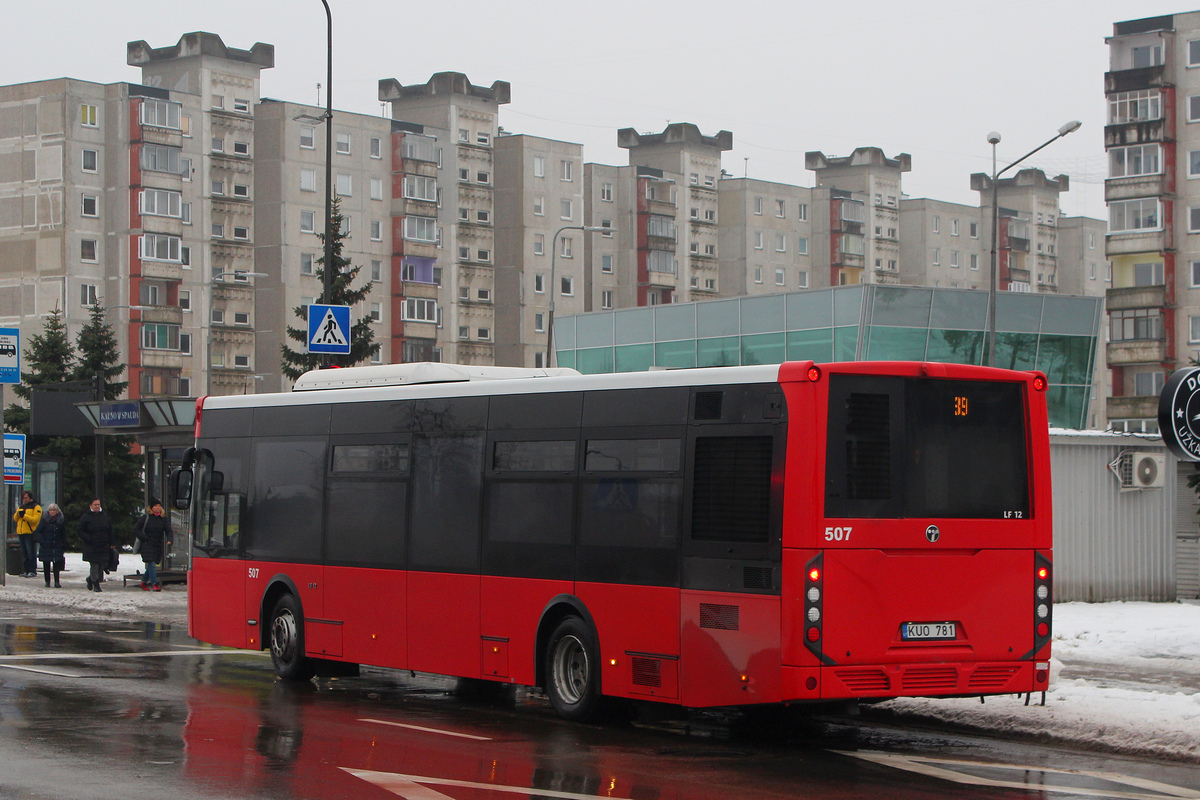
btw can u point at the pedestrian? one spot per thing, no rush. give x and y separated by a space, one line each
95 534
52 543
151 531
27 516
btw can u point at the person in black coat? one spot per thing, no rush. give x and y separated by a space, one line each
96 536
153 531
52 542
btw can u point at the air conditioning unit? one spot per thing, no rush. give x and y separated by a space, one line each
1143 470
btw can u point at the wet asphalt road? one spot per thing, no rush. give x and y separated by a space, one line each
93 708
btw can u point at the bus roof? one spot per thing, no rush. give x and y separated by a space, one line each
422 372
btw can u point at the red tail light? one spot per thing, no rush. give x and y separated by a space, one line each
814 634
1042 573
1039 384
814 574
814 374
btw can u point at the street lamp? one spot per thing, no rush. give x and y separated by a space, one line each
553 255
329 157
238 274
994 139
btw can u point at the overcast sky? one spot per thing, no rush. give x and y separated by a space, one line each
926 77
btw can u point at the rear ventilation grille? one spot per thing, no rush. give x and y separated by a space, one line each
991 677
719 617
709 405
929 679
757 578
863 680
647 671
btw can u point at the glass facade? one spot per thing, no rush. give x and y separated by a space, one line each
1053 333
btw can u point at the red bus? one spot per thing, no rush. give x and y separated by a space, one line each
705 537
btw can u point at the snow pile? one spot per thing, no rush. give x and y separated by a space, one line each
1125 677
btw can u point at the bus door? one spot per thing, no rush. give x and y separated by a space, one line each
217 579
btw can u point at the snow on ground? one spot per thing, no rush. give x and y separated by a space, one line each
1125 677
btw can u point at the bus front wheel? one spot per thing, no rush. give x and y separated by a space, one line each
573 670
287 641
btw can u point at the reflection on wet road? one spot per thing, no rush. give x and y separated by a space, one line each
103 709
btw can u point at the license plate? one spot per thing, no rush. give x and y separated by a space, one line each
927 631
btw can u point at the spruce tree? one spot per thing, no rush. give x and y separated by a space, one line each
123 488
50 359
295 363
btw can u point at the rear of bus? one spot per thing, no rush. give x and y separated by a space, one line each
917 531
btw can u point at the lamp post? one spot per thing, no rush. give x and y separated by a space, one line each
212 289
328 296
553 255
994 139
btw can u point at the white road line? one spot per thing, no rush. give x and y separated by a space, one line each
413 790
428 730
142 654
946 771
42 671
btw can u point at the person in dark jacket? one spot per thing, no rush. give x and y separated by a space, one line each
27 516
96 536
153 530
52 542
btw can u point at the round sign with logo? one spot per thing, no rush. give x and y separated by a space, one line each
1179 414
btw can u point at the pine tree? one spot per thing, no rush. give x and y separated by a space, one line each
123 487
50 359
295 363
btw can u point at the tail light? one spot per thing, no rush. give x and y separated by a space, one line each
1043 601
814 606
814 373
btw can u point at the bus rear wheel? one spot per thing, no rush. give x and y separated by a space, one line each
287 641
573 670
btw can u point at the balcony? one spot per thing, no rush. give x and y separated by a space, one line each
1139 132
1136 297
163 270
1135 242
661 280
1136 351
1019 275
1132 407
1018 244
663 208
1134 187
1129 80
171 315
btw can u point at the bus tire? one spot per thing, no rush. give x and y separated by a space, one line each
287 641
573 670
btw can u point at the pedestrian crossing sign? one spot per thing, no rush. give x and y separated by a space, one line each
329 329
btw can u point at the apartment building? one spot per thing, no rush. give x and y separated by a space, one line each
856 208
1153 143
542 259
765 237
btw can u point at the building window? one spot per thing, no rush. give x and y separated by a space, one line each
376 188
376 230
185 168
974 229
780 243
1147 55
1194 329
539 167
160 337
161 203
218 144
160 247
802 211
1136 106
758 205
758 278
710 215
539 244
485 334
464 253
306 264
1142 159
937 225
464 331
308 221
218 230
780 208
974 261
1194 220
345 185
954 259
419 310
1195 272
566 247
1148 384
241 362
376 269
937 255
954 227
241 318
89 205
87 116
606 192
803 280
1135 323
1134 215
241 190
780 277
566 171
758 240
710 250
308 180
87 250
420 229
241 148
483 217
343 143
418 187
376 312
802 245
306 137
241 233
1149 274
375 147
87 294
218 187
539 206
606 298
539 283
566 208
539 322
218 102
90 161
185 257
484 255
568 286
483 178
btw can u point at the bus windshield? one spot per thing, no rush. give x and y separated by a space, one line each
925 448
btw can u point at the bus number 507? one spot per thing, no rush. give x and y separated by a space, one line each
837 534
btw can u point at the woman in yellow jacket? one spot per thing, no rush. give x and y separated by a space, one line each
27 517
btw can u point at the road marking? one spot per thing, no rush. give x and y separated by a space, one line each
428 730
42 671
141 654
413 790
945 768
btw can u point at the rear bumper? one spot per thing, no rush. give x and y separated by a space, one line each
914 680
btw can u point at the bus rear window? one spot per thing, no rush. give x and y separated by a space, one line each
924 448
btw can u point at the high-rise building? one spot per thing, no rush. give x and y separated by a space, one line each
1153 145
765 237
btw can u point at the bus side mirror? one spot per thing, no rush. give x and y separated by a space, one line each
181 488
216 482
